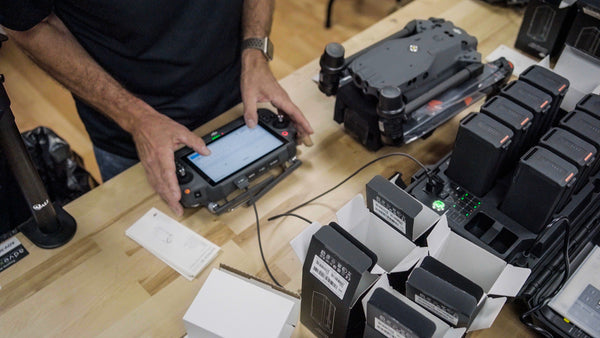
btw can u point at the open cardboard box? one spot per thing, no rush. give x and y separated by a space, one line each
442 330
234 304
393 250
498 279
335 306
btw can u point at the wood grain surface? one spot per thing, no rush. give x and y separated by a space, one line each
103 284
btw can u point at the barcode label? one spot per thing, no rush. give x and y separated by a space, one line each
329 277
438 309
389 216
387 330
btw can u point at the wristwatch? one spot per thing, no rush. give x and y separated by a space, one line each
263 44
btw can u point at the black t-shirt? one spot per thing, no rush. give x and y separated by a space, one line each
180 56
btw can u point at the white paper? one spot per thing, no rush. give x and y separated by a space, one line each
182 249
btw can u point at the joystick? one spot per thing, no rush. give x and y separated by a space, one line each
281 122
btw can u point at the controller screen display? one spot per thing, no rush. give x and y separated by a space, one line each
234 151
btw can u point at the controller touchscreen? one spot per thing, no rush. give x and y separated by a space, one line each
234 151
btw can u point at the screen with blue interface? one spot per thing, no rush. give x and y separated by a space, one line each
234 151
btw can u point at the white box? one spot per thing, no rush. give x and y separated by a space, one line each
442 330
394 251
492 274
234 304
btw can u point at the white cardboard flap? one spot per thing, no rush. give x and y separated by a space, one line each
442 330
411 260
465 257
487 314
301 242
390 246
511 280
354 217
377 270
437 237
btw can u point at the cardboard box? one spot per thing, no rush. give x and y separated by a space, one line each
234 304
337 271
496 277
448 294
442 330
584 34
545 26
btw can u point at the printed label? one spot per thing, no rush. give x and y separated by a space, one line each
438 309
11 251
387 330
389 216
329 277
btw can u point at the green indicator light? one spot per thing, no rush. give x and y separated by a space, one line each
478 203
215 137
438 205
474 207
466 194
462 198
454 205
467 214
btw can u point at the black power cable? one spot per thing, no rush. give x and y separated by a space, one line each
565 277
348 178
289 212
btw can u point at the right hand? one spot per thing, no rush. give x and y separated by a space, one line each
156 138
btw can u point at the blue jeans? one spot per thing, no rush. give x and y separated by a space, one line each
110 164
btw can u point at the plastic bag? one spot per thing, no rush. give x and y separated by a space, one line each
61 169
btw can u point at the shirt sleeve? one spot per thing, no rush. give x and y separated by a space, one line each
21 15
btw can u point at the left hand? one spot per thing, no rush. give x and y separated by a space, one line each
259 85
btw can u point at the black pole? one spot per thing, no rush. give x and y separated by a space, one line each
50 226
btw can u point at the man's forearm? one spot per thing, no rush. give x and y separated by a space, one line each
257 18
53 48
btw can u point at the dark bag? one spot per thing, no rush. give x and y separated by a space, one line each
61 170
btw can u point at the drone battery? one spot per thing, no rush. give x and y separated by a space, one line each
585 126
389 316
444 292
541 183
590 104
550 83
533 99
398 208
573 149
479 152
517 118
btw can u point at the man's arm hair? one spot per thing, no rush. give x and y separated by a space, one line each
257 18
51 45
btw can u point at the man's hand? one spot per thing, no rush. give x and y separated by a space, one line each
156 138
259 85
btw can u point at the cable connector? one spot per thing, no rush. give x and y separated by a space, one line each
434 184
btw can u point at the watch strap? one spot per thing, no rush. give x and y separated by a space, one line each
263 44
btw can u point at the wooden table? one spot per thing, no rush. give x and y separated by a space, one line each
102 283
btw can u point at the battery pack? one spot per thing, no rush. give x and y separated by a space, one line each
590 104
515 117
479 152
585 126
534 100
550 83
574 149
541 182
